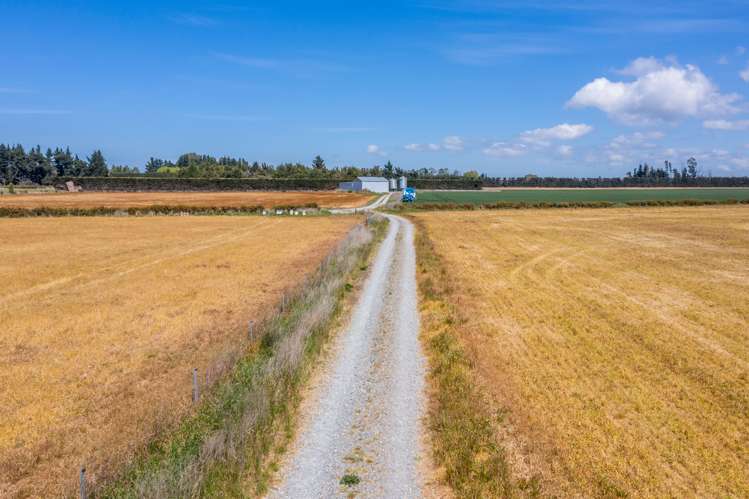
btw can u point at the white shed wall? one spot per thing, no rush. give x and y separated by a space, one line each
375 186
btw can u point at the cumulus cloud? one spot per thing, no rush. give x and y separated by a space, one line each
726 125
565 150
659 92
565 131
450 143
375 149
453 143
745 74
628 147
641 66
741 162
616 158
503 149
640 139
740 50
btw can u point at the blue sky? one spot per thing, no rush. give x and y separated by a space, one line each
550 87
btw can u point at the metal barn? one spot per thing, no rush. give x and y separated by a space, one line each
371 184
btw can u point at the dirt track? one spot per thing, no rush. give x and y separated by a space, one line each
362 419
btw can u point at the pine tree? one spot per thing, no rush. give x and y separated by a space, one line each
318 163
692 167
97 165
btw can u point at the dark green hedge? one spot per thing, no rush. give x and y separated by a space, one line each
444 183
507 205
139 184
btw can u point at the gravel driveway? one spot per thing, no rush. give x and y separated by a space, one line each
362 420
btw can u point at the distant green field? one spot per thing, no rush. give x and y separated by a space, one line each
580 195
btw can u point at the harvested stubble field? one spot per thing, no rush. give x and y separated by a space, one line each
614 344
323 199
104 318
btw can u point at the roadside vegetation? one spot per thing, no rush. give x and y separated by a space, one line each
462 422
613 343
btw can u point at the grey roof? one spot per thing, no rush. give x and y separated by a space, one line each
372 179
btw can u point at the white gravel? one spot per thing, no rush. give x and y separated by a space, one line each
363 417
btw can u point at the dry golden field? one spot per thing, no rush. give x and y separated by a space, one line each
615 342
324 199
103 319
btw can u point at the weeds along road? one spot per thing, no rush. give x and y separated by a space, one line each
362 420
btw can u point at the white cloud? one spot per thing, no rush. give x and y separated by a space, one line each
615 157
502 149
722 60
740 50
345 129
726 125
658 93
375 149
745 74
194 20
452 143
641 139
565 131
641 66
300 67
565 150
741 162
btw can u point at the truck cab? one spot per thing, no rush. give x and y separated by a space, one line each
409 195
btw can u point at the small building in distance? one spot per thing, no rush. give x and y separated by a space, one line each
371 184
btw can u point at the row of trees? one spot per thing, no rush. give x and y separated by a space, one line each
18 165
690 171
34 166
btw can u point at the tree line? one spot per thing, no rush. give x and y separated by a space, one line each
18 166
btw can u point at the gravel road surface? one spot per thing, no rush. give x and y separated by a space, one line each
362 419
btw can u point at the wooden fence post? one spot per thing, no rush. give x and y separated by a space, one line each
195 390
83 482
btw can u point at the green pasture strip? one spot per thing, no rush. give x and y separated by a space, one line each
581 195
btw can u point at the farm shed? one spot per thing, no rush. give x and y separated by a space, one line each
371 184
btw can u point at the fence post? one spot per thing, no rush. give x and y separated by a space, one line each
195 391
83 482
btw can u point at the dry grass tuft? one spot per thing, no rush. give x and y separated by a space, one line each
616 342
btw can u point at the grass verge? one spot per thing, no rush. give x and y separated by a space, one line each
221 450
462 422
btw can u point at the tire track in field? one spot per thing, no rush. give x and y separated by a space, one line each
114 273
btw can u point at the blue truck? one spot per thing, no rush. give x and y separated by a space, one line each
409 195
